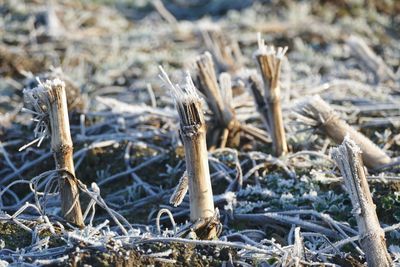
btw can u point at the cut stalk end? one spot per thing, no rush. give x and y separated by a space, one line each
269 63
193 134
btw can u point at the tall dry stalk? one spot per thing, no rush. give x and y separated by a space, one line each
317 113
49 98
372 238
269 63
193 134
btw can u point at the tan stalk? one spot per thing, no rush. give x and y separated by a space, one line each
225 50
209 87
262 108
225 130
269 63
317 113
372 237
51 97
224 127
193 134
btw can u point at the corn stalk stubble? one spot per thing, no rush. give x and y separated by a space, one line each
269 63
55 99
330 123
372 238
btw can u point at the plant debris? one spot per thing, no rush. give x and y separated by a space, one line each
291 210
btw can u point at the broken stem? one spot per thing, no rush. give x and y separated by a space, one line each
51 98
372 238
225 127
193 134
318 113
262 107
209 87
269 63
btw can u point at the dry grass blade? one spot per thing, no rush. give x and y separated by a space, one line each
180 190
372 237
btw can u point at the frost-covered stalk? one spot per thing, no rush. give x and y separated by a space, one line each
50 98
372 238
317 113
226 127
209 87
193 134
369 59
225 50
269 63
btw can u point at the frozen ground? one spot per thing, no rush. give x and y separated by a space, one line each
125 131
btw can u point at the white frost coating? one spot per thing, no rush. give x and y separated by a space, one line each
120 107
252 190
266 50
184 99
298 247
351 178
181 95
38 100
286 197
171 217
312 195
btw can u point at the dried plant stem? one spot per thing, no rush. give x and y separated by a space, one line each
62 147
193 135
321 115
201 203
369 59
262 107
180 190
52 95
225 129
269 63
372 238
225 50
159 6
209 87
